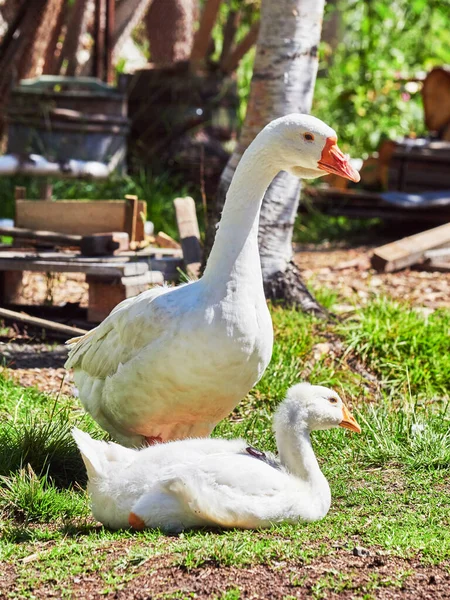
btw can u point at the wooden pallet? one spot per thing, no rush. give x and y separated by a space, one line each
111 279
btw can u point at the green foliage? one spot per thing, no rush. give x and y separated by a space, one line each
402 347
314 227
362 88
26 497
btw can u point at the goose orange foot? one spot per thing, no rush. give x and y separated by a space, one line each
136 522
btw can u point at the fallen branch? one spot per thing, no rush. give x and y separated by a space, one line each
18 317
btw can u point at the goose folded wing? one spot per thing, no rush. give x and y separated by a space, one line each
130 326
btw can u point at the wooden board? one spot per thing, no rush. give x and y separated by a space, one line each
105 295
409 250
112 269
189 234
79 217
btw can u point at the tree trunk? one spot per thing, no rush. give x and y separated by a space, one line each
129 13
170 30
283 82
10 9
52 55
72 39
32 62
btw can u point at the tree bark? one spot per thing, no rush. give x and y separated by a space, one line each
128 14
10 9
283 81
72 39
32 62
170 30
51 62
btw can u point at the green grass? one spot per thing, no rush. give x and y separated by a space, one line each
390 485
405 349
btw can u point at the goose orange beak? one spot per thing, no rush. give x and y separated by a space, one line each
334 161
349 421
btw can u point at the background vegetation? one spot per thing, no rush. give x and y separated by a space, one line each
365 88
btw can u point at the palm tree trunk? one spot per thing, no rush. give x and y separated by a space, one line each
283 81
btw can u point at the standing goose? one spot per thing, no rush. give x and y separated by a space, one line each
172 362
204 482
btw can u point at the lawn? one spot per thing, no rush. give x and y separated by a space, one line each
387 532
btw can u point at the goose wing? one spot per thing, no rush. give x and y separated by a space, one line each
130 326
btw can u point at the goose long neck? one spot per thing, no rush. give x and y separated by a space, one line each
297 454
235 249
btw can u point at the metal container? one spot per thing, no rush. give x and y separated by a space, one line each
63 118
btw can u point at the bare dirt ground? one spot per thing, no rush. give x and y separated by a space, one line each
348 272
339 575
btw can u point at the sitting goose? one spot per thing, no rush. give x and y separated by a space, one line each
172 362
216 482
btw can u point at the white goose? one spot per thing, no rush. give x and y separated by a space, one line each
204 482
172 362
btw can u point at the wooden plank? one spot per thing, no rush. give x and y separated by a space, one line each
105 295
99 38
91 268
189 234
109 40
409 250
11 287
126 256
19 317
131 215
41 236
19 193
148 278
441 267
72 216
140 222
439 254
165 241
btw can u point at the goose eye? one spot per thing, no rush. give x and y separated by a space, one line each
332 400
309 137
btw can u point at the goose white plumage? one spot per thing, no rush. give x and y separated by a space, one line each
226 483
172 362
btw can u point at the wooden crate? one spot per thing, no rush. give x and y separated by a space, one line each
420 166
82 217
111 279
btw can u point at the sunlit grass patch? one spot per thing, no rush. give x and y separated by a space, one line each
390 485
25 497
410 352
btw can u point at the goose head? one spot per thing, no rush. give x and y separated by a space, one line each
313 407
306 147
